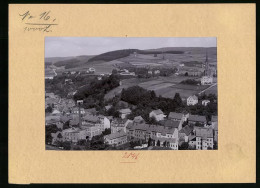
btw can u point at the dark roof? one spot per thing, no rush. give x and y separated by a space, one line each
138 119
197 118
153 128
170 123
91 118
187 129
115 135
204 132
174 115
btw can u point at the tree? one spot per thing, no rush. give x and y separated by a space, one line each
186 74
215 146
66 125
48 109
149 142
177 100
66 145
59 136
158 143
114 71
106 131
184 146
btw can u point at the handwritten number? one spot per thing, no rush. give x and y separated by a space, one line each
44 15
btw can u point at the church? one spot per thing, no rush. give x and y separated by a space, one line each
207 79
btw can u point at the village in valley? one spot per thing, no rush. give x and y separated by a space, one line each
131 99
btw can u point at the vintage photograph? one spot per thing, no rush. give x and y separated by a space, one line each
131 93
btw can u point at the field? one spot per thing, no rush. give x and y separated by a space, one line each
164 86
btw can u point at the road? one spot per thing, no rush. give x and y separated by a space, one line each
207 88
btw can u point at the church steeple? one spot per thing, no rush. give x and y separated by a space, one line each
207 64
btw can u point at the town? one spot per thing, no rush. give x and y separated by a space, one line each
165 105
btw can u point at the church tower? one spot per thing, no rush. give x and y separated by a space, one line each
207 70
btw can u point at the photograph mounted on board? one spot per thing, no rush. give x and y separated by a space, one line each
131 93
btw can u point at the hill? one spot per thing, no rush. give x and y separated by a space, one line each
117 54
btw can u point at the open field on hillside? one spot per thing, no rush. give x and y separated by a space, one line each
164 86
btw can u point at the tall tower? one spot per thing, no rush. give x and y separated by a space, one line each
207 71
79 103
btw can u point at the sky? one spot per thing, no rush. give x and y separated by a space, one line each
75 46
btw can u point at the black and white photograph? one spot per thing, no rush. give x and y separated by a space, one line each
131 93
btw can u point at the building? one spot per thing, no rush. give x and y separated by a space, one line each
193 119
185 133
124 112
138 119
206 80
118 125
205 102
146 131
192 100
178 116
74 134
203 139
157 114
171 124
214 125
116 139
158 135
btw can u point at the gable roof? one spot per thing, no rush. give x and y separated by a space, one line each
203 132
170 123
193 97
174 115
125 111
138 119
187 130
197 118
91 118
157 112
115 135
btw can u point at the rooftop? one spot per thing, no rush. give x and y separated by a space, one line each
157 112
203 132
174 115
115 135
197 118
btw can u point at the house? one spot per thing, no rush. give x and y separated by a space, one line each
146 131
91 70
138 119
157 114
206 80
122 104
108 107
75 110
192 100
203 139
118 125
56 137
178 116
91 111
166 142
185 133
214 126
193 119
116 139
74 134
205 102
156 71
171 124
124 112
214 121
